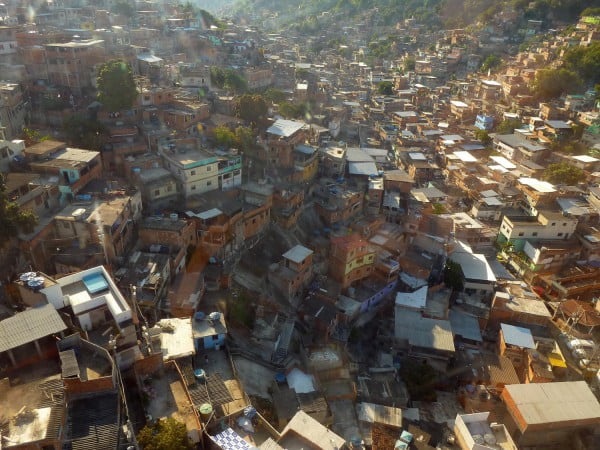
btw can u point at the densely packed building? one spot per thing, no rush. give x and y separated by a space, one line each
280 247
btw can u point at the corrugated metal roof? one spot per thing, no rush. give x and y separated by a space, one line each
298 253
372 413
29 325
546 403
423 332
285 128
474 266
362 168
519 336
465 325
69 364
416 299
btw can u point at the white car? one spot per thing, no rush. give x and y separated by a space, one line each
583 363
580 353
578 343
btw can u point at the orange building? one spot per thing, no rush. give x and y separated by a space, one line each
351 259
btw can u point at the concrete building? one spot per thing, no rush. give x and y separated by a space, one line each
517 148
293 274
72 64
198 171
546 226
477 432
544 414
350 259
73 168
13 109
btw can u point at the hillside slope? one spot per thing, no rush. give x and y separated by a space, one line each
443 13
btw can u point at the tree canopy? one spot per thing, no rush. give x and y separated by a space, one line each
229 79
584 61
242 137
590 12
116 86
385 88
13 219
552 83
167 434
409 64
275 95
252 108
563 173
491 62
484 137
508 126
124 8
33 137
294 110
84 133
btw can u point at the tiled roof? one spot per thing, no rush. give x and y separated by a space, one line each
29 326
93 423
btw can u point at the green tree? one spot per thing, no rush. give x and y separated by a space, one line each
453 276
590 12
116 86
552 83
224 136
245 139
217 76
584 61
508 126
228 79
252 108
385 88
167 434
124 8
483 136
13 219
409 64
420 380
275 95
292 110
491 62
31 137
563 173
84 133
235 82
438 208
302 74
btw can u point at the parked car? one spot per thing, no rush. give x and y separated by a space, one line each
579 343
580 353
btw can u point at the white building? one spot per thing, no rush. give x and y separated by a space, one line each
476 432
8 150
547 225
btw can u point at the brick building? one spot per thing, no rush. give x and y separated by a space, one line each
351 259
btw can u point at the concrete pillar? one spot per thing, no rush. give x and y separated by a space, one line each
12 358
37 347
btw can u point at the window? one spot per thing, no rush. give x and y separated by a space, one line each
157 192
66 225
215 337
208 168
169 188
521 234
209 183
193 172
553 224
193 187
534 233
559 234
565 224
